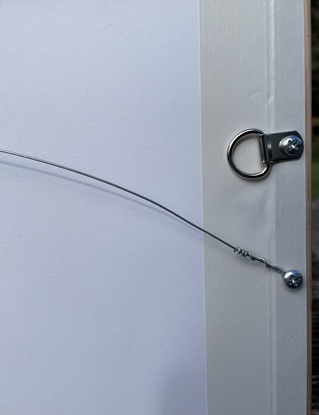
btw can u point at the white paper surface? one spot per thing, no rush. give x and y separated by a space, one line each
101 296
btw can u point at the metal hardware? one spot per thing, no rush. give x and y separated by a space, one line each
293 278
274 148
291 145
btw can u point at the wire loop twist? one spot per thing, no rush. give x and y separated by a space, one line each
247 254
237 250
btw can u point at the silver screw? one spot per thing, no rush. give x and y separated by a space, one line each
293 278
291 145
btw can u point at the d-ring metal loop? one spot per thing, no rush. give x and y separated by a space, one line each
231 150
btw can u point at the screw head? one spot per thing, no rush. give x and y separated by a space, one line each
293 278
291 145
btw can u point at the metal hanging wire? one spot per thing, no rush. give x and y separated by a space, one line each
292 278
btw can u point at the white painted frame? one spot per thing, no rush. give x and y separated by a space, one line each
258 338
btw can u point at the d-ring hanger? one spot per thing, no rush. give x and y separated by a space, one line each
274 148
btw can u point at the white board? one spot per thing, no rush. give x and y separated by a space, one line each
102 299
109 305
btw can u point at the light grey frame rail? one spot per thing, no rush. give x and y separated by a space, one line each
255 59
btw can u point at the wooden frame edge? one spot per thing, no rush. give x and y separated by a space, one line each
308 138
